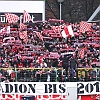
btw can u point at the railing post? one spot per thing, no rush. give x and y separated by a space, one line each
56 74
96 74
16 74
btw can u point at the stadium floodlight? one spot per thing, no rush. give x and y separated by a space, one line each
60 1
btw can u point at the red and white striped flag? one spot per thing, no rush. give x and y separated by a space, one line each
39 35
84 27
67 32
26 17
23 35
11 18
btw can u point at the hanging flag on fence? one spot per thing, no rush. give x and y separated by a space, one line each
67 32
26 17
84 27
11 18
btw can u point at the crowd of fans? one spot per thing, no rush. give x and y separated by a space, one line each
46 55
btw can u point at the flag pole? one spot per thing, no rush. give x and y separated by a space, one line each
21 18
60 1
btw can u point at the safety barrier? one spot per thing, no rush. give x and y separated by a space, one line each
31 74
88 74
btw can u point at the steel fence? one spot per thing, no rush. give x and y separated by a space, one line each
48 74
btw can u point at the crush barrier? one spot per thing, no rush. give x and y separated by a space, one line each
20 74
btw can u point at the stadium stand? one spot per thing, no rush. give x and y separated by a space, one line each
41 53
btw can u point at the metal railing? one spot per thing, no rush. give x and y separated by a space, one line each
56 74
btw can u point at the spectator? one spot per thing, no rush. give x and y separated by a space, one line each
65 62
73 65
36 53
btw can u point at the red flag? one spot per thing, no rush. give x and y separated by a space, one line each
26 17
67 32
39 35
84 27
22 26
11 18
23 35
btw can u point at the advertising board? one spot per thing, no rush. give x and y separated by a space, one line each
36 9
48 90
